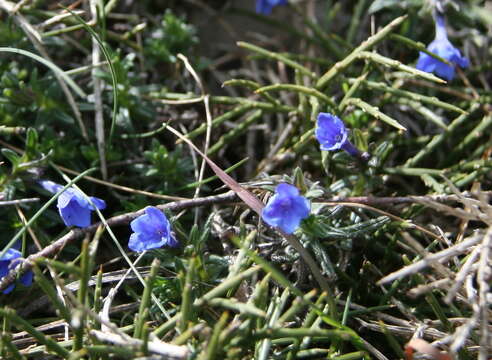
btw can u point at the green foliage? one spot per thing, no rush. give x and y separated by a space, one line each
173 37
235 288
168 169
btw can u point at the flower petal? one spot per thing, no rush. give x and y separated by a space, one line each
65 198
151 230
286 208
144 224
74 214
139 242
444 71
51 186
426 62
99 203
442 47
287 190
4 270
172 242
8 289
289 224
271 214
463 62
26 279
301 207
157 217
330 132
265 6
80 198
136 243
11 254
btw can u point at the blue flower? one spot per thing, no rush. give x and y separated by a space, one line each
286 208
151 230
443 48
332 135
73 207
7 262
265 6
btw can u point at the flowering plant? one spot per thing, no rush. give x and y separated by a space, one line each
73 206
442 47
151 230
332 135
286 208
7 261
265 6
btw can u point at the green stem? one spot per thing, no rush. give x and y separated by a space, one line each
50 291
340 66
278 57
85 270
145 302
374 111
383 60
299 89
237 131
438 139
38 335
7 342
187 303
212 349
408 94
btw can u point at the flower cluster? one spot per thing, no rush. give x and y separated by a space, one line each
151 230
286 208
7 262
442 47
265 6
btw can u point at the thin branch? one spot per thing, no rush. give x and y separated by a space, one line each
18 201
440 256
374 200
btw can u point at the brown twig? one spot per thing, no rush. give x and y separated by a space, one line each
123 219
440 256
18 201
389 200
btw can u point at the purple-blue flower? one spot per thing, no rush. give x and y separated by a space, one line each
332 135
73 207
286 208
265 6
151 230
7 262
443 48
